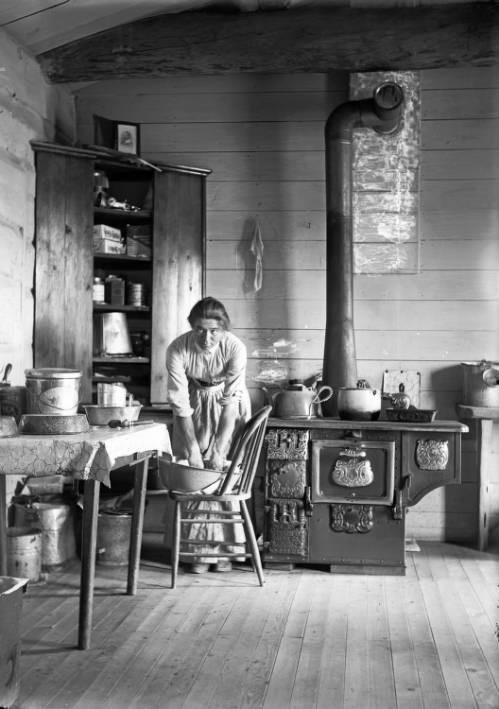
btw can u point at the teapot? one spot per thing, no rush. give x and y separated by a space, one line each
296 400
400 400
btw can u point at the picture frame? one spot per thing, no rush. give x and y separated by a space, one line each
127 137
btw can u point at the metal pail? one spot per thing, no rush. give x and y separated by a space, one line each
58 539
113 538
11 601
52 391
24 552
480 383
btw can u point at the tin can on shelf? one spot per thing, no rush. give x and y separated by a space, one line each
135 294
115 290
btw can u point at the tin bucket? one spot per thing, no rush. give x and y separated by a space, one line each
11 600
52 391
481 383
58 539
113 538
24 552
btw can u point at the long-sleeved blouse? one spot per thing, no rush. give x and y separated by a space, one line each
190 367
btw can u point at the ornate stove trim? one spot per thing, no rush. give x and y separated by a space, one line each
288 527
287 478
432 454
352 519
352 469
287 444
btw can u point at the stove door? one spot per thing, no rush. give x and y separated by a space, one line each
355 472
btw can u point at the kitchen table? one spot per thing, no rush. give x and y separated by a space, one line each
90 457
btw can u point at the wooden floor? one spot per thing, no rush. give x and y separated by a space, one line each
307 639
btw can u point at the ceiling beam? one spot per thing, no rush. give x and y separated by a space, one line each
283 41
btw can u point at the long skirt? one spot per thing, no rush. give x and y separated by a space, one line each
230 537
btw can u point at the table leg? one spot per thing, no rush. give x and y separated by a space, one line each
88 551
139 496
3 525
484 447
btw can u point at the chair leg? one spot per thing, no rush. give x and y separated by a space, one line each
251 538
176 542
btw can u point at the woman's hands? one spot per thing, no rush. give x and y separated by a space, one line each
196 459
216 461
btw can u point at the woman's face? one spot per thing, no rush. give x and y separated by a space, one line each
208 332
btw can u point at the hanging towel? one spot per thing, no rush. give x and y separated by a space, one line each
257 250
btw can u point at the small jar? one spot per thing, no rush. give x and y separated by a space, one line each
98 291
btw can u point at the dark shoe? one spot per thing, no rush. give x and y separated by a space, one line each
199 568
223 566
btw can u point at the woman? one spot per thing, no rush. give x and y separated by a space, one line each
210 402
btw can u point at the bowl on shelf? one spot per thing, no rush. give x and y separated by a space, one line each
184 478
103 415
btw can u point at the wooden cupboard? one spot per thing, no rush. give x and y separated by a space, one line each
169 202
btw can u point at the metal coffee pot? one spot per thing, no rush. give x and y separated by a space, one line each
298 401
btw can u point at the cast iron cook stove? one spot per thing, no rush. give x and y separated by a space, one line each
336 492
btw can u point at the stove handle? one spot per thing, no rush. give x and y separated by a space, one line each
400 497
309 505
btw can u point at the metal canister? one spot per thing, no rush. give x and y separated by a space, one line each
113 394
135 294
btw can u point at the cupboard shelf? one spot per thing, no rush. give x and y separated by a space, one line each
122 214
121 360
108 307
129 260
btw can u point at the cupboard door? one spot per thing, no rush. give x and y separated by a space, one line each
63 267
178 264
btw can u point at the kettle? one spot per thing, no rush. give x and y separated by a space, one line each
298 401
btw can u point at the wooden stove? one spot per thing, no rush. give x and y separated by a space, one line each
336 491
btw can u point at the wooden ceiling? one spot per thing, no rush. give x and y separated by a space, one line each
86 40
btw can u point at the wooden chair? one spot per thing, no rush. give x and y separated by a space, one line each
235 487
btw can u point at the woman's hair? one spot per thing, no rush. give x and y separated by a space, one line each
209 309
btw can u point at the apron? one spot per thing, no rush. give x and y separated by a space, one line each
205 401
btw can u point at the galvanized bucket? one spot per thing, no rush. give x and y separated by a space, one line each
24 553
113 538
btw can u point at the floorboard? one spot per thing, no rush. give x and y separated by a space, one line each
308 639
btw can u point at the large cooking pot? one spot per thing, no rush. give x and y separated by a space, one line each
360 403
481 383
298 401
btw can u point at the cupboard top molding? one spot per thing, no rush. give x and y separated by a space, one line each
319 39
125 161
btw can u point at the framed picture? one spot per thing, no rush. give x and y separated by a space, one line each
127 137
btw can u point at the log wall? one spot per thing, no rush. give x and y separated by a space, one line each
262 136
29 109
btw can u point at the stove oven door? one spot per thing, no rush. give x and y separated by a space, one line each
359 472
352 525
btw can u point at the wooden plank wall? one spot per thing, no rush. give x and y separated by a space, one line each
30 109
262 135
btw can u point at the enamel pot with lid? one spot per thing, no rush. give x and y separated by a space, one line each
360 403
